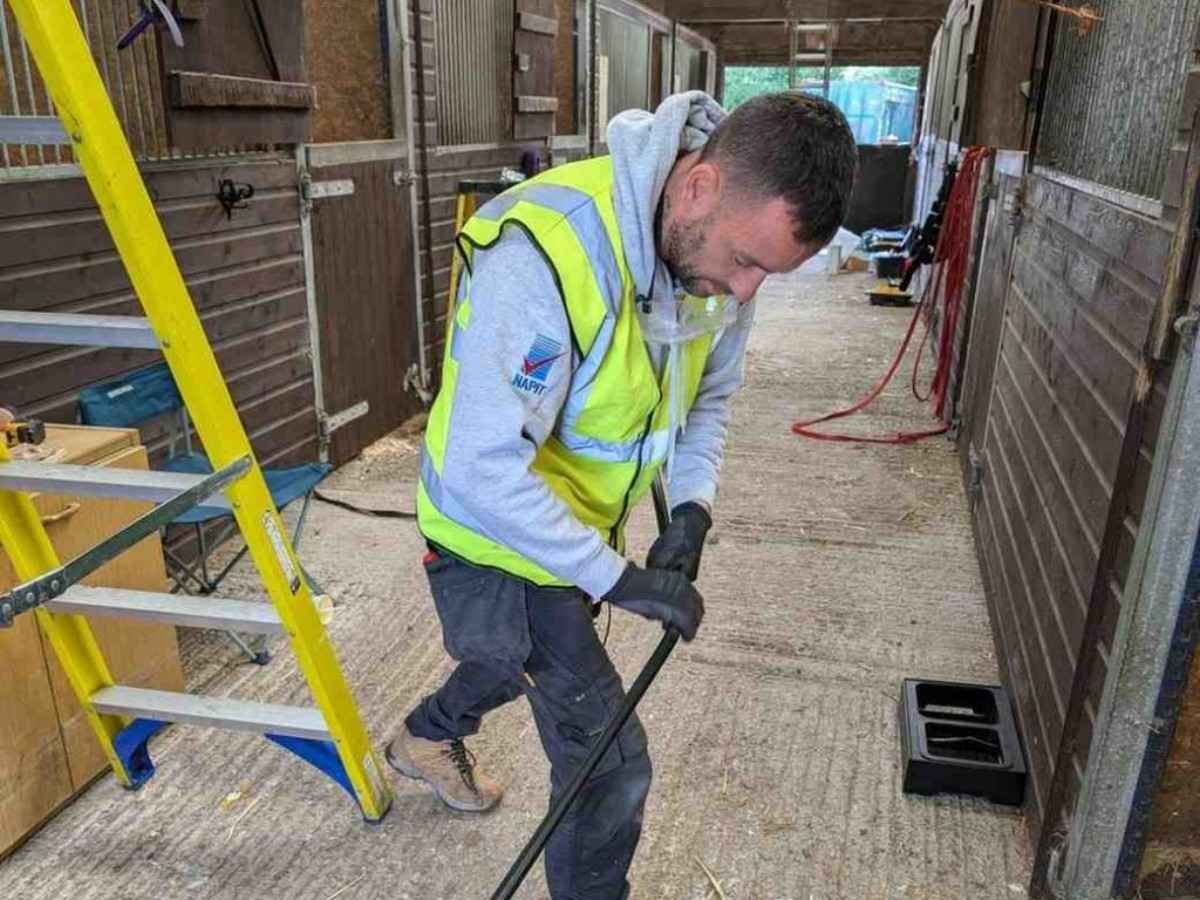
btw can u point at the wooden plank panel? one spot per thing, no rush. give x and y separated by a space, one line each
1126 237
74 284
1039 747
768 42
53 237
366 311
206 90
1003 56
1085 278
1064 343
231 40
1039 439
1028 596
209 291
164 181
1061 602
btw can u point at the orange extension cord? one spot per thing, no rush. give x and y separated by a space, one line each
945 287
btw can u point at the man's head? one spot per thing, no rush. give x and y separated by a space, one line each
766 193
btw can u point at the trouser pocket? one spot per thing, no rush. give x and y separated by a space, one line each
482 612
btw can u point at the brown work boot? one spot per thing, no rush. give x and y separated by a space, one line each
446 766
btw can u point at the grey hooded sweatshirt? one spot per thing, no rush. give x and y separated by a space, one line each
518 323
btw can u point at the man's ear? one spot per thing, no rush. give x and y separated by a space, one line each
702 188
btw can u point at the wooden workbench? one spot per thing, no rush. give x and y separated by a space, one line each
48 753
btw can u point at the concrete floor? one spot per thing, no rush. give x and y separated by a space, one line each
833 571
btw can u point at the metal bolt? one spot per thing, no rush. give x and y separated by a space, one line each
54 585
7 612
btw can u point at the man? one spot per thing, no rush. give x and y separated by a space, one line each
598 336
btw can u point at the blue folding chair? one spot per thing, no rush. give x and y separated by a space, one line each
150 393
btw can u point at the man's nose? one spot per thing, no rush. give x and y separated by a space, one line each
746 284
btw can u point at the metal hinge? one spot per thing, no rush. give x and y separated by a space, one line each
1186 327
975 473
416 384
401 177
955 427
1015 207
330 424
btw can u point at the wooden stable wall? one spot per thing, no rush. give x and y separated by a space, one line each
1057 442
1085 279
245 274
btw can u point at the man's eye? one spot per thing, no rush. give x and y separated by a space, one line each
741 262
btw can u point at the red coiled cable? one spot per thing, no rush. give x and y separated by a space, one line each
945 287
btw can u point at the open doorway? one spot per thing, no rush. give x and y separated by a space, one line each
880 102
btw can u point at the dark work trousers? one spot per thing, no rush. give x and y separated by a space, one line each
511 637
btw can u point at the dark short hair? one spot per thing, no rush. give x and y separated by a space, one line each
795 146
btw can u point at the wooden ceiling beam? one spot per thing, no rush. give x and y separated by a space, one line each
882 56
857 43
691 11
849 36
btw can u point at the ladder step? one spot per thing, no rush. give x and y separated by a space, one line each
102 481
213 712
20 327
32 130
173 609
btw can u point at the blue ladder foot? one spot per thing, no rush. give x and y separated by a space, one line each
132 747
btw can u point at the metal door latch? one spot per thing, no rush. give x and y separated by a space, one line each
233 195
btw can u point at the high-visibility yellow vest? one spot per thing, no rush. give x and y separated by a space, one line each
612 436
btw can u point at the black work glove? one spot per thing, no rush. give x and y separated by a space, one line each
678 548
666 597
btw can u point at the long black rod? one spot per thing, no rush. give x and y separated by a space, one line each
537 843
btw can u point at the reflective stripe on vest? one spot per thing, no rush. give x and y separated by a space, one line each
612 434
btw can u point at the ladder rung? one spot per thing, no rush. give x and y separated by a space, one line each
811 57
32 130
213 712
101 481
173 609
20 327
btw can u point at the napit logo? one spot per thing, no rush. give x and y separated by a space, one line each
536 365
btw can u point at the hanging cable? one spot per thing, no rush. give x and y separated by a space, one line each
943 289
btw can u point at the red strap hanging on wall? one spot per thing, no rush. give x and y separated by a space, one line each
944 288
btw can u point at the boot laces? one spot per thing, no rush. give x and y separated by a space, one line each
464 761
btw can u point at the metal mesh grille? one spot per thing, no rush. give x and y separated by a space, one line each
474 70
132 77
1113 95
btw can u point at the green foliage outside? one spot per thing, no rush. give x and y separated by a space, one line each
744 82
